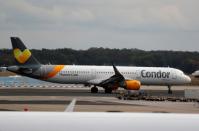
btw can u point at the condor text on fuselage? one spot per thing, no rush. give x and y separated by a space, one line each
159 74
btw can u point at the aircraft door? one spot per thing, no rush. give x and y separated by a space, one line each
93 73
41 72
174 75
138 75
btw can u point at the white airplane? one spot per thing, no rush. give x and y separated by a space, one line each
76 121
196 73
108 77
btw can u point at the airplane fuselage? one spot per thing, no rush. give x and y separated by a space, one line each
74 74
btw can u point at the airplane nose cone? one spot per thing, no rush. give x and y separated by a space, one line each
188 79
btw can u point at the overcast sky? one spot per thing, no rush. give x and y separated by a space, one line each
81 24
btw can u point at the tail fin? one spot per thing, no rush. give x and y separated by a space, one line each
22 55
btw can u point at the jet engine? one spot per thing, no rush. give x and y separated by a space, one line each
132 84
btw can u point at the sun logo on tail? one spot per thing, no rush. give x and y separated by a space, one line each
20 56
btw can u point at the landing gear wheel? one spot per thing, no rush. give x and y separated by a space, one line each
108 90
169 90
94 89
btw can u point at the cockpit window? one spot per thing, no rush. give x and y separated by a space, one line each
180 72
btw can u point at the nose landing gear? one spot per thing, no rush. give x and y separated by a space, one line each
169 90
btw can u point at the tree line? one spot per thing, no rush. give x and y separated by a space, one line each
186 61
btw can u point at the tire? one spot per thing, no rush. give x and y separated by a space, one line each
94 90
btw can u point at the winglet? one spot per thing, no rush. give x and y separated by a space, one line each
116 70
71 106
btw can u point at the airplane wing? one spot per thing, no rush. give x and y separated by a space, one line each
116 79
96 81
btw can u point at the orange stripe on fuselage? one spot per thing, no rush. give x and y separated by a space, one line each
55 70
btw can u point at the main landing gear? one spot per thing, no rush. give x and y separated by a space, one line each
94 89
169 90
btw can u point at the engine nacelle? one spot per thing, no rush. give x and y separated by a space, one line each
132 84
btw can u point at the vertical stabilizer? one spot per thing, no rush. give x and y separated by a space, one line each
22 55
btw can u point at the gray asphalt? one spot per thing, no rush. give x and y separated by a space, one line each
50 92
77 92
50 99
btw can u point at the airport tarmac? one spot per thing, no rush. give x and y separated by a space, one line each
57 99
